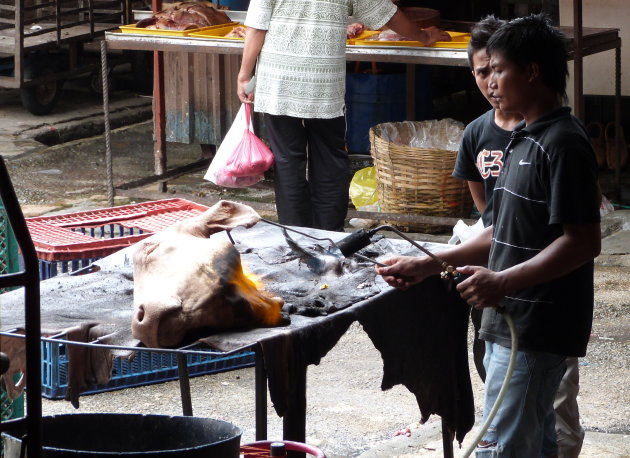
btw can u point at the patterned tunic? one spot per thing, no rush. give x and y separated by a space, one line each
302 66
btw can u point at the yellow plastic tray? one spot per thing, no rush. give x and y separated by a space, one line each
219 32
131 28
458 40
362 36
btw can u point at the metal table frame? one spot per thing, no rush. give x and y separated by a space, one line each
586 41
29 279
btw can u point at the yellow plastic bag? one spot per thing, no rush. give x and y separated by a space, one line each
363 187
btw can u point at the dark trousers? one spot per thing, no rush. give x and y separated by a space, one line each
310 171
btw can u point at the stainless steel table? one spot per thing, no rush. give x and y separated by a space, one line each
586 41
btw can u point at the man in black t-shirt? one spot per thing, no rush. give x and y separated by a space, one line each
480 155
540 247
480 161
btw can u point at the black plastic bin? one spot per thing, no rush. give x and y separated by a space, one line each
131 435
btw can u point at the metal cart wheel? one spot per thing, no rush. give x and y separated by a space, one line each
40 99
96 81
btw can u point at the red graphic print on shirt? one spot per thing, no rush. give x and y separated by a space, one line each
490 163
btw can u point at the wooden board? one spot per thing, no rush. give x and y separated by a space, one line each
200 96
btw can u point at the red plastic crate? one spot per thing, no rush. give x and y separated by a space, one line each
93 234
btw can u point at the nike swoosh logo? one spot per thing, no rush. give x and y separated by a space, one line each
522 162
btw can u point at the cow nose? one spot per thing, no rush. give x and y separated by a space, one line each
157 327
144 328
140 313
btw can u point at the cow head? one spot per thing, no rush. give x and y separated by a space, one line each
186 283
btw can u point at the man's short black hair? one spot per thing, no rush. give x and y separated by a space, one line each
534 39
481 33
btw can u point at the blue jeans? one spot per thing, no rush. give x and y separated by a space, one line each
524 426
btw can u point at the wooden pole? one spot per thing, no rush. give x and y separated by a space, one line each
159 110
578 46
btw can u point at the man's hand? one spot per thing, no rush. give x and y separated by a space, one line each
401 24
241 84
434 34
484 288
405 271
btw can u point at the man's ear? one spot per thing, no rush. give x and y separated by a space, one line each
533 71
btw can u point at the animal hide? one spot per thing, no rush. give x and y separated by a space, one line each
15 349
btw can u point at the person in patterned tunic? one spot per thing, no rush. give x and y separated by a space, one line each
297 49
540 247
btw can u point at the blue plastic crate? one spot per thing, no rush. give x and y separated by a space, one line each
144 369
71 241
49 269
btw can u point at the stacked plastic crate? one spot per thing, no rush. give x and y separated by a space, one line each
68 242
145 368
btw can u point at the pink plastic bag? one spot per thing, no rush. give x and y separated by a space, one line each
217 171
251 156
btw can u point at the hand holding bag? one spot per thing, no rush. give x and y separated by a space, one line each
216 172
251 156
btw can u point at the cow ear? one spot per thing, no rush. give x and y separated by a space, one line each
226 215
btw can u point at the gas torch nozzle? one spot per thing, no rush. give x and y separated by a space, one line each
362 238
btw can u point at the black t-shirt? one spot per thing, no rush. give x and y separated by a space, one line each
549 179
480 156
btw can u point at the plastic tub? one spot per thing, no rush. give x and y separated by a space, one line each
131 435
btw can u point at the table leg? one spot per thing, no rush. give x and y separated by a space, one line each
578 61
159 117
261 395
447 440
184 385
294 421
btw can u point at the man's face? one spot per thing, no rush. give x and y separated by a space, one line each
508 84
481 71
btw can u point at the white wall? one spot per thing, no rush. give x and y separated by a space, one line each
599 69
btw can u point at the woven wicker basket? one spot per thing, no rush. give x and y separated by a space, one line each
417 181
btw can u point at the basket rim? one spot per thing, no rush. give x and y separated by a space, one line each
376 138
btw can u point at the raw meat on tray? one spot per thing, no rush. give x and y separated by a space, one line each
354 30
185 16
237 32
